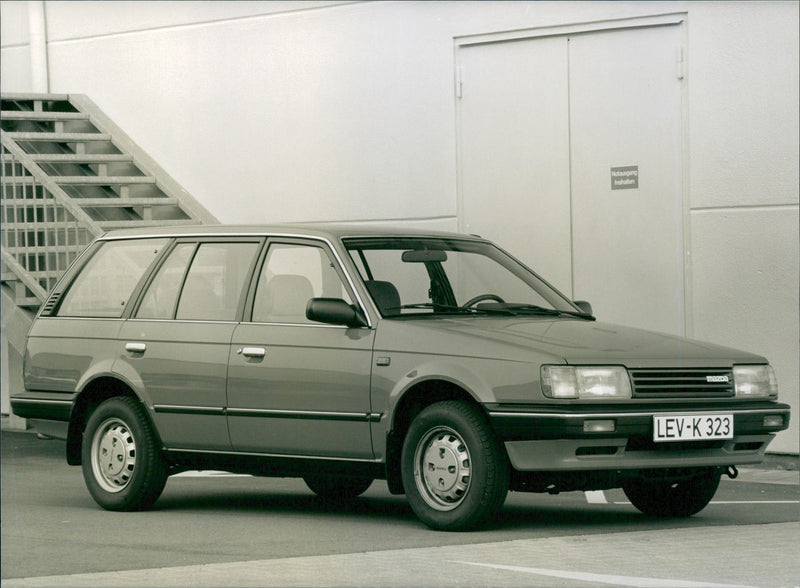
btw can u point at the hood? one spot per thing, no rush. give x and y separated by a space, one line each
574 341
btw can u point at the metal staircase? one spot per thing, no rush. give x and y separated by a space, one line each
69 174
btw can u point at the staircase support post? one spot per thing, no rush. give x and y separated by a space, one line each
37 28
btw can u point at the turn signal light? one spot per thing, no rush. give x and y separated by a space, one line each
773 420
599 426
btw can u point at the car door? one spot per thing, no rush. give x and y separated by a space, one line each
296 387
175 346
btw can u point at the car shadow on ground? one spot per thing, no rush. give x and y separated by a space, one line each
566 514
226 500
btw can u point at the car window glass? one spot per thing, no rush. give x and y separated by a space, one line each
290 277
467 274
214 283
411 279
472 275
105 284
440 275
159 301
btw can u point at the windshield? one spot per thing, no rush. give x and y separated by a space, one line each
433 276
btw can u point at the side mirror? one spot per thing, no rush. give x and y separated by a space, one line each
334 311
585 307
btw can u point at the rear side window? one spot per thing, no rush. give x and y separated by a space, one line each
162 295
105 284
213 286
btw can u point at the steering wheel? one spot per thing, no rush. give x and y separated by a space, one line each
481 298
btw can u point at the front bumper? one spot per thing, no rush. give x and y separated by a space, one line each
556 438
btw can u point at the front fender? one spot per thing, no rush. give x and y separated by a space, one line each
486 381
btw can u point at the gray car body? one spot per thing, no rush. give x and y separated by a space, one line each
339 395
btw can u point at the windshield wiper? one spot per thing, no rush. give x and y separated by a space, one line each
493 308
534 309
448 308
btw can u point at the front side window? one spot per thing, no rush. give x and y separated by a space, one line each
106 283
213 286
291 276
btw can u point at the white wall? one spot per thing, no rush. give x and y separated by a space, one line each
317 111
743 121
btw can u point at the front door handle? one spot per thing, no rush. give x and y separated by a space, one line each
253 351
136 347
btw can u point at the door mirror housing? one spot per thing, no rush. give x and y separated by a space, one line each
334 311
585 307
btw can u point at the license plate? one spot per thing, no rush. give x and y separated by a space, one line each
692 427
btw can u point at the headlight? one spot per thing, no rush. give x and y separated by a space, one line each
755 381
564 382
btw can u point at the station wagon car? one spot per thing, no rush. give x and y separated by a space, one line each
434 361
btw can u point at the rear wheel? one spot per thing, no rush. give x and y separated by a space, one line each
337 489
454 471
121 458
681 497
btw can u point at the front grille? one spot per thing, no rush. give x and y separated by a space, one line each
682 382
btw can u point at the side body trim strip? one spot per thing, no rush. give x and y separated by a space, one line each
367 417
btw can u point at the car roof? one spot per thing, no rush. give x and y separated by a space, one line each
327 231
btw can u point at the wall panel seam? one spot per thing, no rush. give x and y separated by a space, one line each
745 208
195 25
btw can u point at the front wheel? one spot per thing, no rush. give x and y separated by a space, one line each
681 497
455 473
121 458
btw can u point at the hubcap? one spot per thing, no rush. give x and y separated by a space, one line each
113 455
442 468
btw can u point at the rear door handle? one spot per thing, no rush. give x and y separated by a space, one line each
253 351
136 347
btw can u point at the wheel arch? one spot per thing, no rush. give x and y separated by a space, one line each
416 398
95 392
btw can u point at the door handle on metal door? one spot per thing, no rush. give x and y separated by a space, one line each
135 347
253 351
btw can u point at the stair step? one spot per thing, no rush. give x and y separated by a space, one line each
134 224
80 157
42 115
62 226
25 301
23 96
59 137
102 180
124 202
12 277
28 302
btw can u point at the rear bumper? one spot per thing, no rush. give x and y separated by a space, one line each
557 439
52 406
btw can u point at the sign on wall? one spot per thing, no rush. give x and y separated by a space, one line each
625 177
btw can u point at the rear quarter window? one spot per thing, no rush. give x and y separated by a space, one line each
106 282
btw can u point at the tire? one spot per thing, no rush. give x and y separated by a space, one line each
337 489
454 471
121 458
673 498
